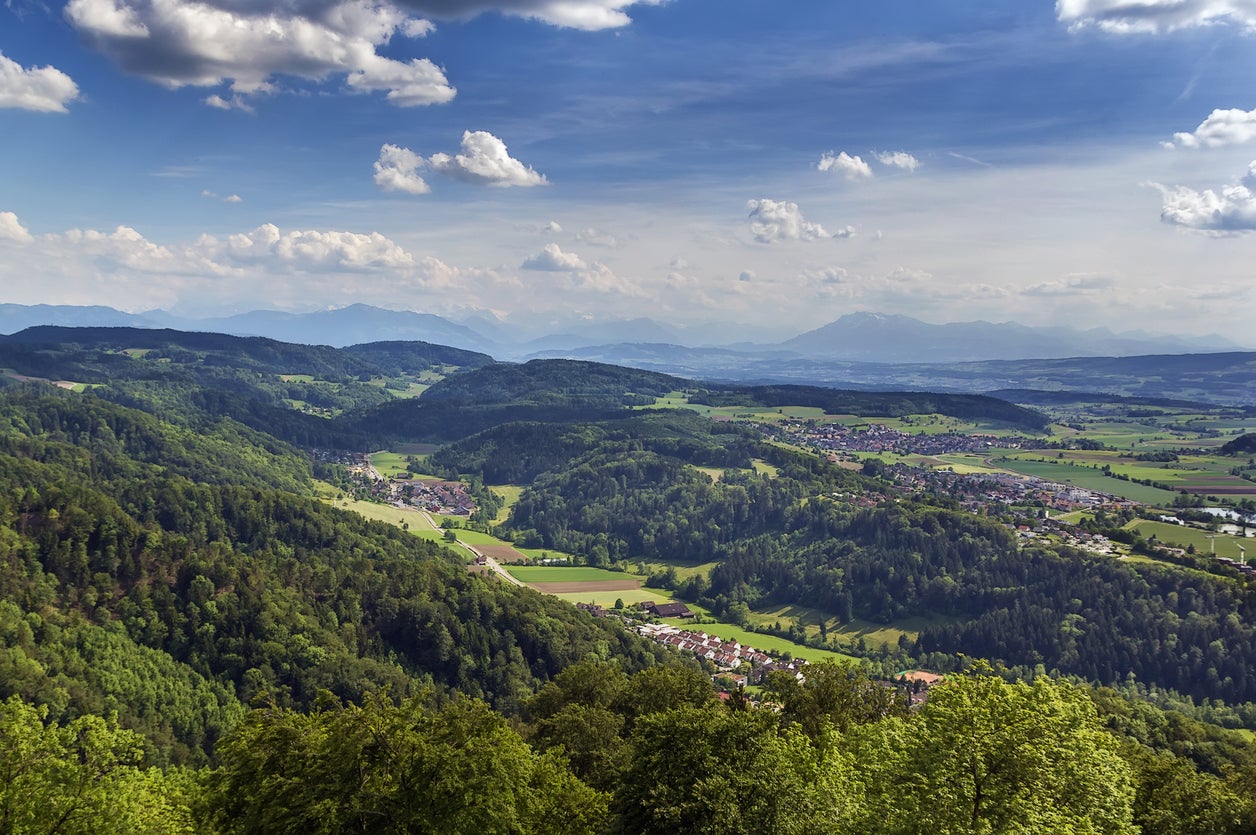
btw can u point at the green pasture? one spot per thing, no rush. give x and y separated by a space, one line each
566 574
510 494
1181 536
544 554
716 473
684 570
874 634
631 597
764 468
389 463
477 538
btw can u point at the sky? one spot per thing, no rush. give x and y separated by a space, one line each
744 168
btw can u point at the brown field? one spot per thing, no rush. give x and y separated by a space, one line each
501 553
577 588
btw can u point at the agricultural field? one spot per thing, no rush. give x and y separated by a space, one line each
510 495
874 634
1181 536
569 574
389 463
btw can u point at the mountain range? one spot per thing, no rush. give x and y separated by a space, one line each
855 337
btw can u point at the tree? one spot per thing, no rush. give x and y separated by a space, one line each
710 770
383 767
81 778
990 756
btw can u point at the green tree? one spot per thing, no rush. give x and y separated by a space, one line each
84 777
714 771
390 768
989 756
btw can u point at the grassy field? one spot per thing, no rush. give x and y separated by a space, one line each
565 574
684 570
510 495
389 463
764 468
874 634
608 598
1182 536
477 538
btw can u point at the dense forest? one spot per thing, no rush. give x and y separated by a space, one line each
190 640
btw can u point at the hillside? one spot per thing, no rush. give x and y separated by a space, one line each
167 564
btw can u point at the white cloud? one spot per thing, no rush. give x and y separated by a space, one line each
230 198
844 233
308 250
1222 127
553 259
11 229
552 227
599 237
747 275
1124 17
1080 284
1231 209
589 15
852 168
42 89
180 43
898 159
397 169
485 161
772 220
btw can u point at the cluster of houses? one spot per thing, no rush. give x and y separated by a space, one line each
449 498
728 655
976 491
880 438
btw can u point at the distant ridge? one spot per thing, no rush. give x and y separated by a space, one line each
876 337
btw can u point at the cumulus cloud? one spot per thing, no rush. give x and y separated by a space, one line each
485 161
1231 209
590 15
307 250
397 169
553 227
1071 285
599 237
553 259
1125 17
772 220
11 229
42 89
180 43
897 159
852 168
1222 127
747 275
230 198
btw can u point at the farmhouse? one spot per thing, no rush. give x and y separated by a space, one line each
667 610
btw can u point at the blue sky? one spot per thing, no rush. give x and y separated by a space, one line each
703 163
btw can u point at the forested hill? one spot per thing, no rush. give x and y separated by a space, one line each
157 573
253 353
878 403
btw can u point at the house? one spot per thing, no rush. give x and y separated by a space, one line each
668 610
